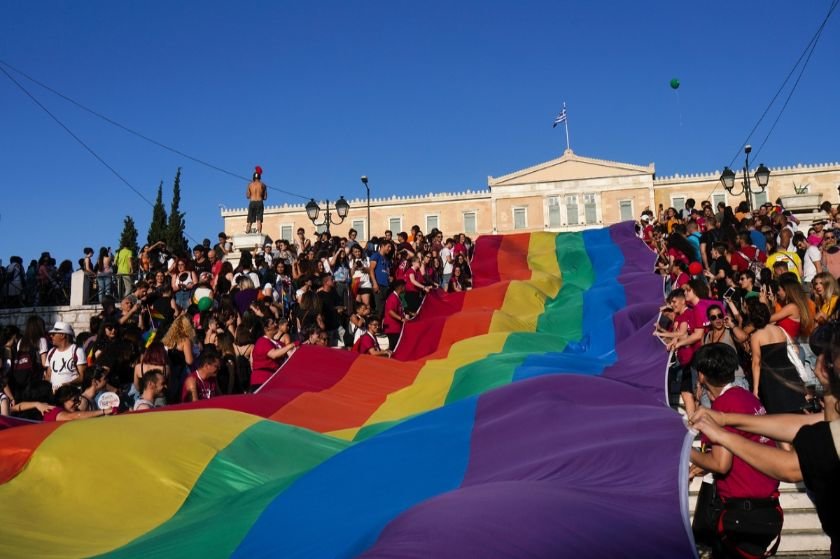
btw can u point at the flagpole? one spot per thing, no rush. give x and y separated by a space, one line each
566 124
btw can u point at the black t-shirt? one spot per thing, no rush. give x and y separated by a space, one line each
710 237
817 451
329 301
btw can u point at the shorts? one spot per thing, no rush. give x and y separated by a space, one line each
364 291
255 211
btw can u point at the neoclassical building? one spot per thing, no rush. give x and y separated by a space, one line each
569 193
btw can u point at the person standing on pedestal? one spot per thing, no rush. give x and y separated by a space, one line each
256 193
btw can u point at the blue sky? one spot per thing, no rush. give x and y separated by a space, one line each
421 97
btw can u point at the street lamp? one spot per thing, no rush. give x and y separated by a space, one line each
313 209
762 177
365 182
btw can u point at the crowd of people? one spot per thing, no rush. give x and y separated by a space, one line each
751 320
193 326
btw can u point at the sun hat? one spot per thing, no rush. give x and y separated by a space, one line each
62 328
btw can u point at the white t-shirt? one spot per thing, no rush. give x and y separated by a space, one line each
446 256
809 270
63 366
363 274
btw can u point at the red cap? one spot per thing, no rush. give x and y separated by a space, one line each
258 170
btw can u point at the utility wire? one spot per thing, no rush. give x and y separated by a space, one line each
83 144
799 77
806 53
808 50
141 135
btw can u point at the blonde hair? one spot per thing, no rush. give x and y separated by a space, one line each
831 289
180 329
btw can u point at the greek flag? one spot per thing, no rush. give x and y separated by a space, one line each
560 118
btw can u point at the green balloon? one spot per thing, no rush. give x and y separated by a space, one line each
675 83
205 304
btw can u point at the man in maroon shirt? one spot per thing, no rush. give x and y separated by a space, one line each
743 490
394 317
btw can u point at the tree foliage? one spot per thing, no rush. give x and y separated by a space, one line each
174 236
128 237
157 228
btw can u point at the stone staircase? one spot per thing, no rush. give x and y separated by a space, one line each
801 533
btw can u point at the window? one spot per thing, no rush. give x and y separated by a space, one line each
553 212
520 218
678 203
717 199
431 223
625 210
286 232
590 209
469 222
759 198
359 225
571 209
395 225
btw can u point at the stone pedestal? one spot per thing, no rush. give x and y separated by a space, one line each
79 288
252 242
805 207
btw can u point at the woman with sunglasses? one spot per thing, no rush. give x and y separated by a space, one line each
720 332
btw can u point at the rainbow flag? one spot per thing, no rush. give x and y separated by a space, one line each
526 417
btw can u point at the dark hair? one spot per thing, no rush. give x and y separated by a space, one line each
208 355
710 308
717 362
65 393
678 292
699 288
759 313
149 377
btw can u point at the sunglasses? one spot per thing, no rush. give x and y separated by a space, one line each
715 317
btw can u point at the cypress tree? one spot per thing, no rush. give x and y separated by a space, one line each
128 238
175 229
157 228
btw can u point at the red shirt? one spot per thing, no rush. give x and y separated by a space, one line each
738 262
409 286
389 324
686 353
206 388
263 366
743 481
52 415
366 343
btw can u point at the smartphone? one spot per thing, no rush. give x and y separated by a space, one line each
729 293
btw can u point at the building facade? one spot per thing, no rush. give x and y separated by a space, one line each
569 193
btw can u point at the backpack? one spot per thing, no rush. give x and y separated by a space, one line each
755 266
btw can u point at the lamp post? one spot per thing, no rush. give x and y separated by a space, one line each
762 177
364 181
313 209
